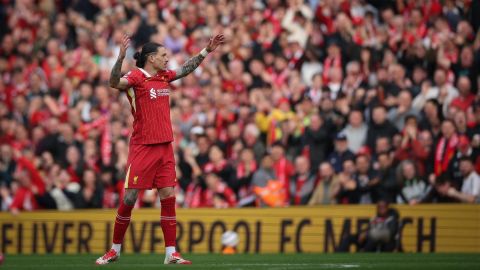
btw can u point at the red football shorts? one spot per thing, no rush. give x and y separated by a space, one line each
150 166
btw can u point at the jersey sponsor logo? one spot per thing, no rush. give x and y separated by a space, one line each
154 93
135 180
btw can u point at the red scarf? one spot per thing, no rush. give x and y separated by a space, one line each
99 123
443 154
229 199
36 178
24 200
215 168
110 197
73 175
193 196
272 134
283 171
245 191
241 170
106 144
298 189
328 64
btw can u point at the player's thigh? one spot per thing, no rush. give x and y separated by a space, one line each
166 175
141 167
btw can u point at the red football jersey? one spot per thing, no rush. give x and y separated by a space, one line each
149 98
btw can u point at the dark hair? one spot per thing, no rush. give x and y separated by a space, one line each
466 158
379 106
384 137
278 144
147 49
443 179
202 136
357 111
450 121
384 153
411 117
438 107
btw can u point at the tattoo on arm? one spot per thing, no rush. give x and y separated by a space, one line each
189 66
115 74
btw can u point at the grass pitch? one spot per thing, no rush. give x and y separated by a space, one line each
251 262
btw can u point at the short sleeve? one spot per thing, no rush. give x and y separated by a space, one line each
171 74
133 78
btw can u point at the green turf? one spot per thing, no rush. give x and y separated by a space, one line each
251 262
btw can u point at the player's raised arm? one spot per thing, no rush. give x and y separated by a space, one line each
195 61
115 76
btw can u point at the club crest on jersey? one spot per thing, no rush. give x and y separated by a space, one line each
154 93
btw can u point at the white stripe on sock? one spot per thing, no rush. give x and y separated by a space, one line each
123 218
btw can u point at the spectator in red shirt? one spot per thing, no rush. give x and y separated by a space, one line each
415 145
218 194
466 98
30 182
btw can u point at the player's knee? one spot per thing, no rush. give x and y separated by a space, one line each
166 193
129 201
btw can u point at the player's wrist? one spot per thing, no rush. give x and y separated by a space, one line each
204 52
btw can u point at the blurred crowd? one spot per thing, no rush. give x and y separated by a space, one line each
309 102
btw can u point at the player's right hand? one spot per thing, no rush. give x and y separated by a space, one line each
124 46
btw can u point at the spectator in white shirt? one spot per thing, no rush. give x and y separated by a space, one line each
471 179
356 131
470 192
443 91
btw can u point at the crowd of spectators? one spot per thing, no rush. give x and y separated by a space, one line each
309 102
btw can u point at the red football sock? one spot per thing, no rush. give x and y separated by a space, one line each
168 221
121 222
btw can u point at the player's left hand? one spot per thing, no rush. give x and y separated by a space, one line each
214 42
124 46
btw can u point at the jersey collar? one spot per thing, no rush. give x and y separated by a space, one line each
145 72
